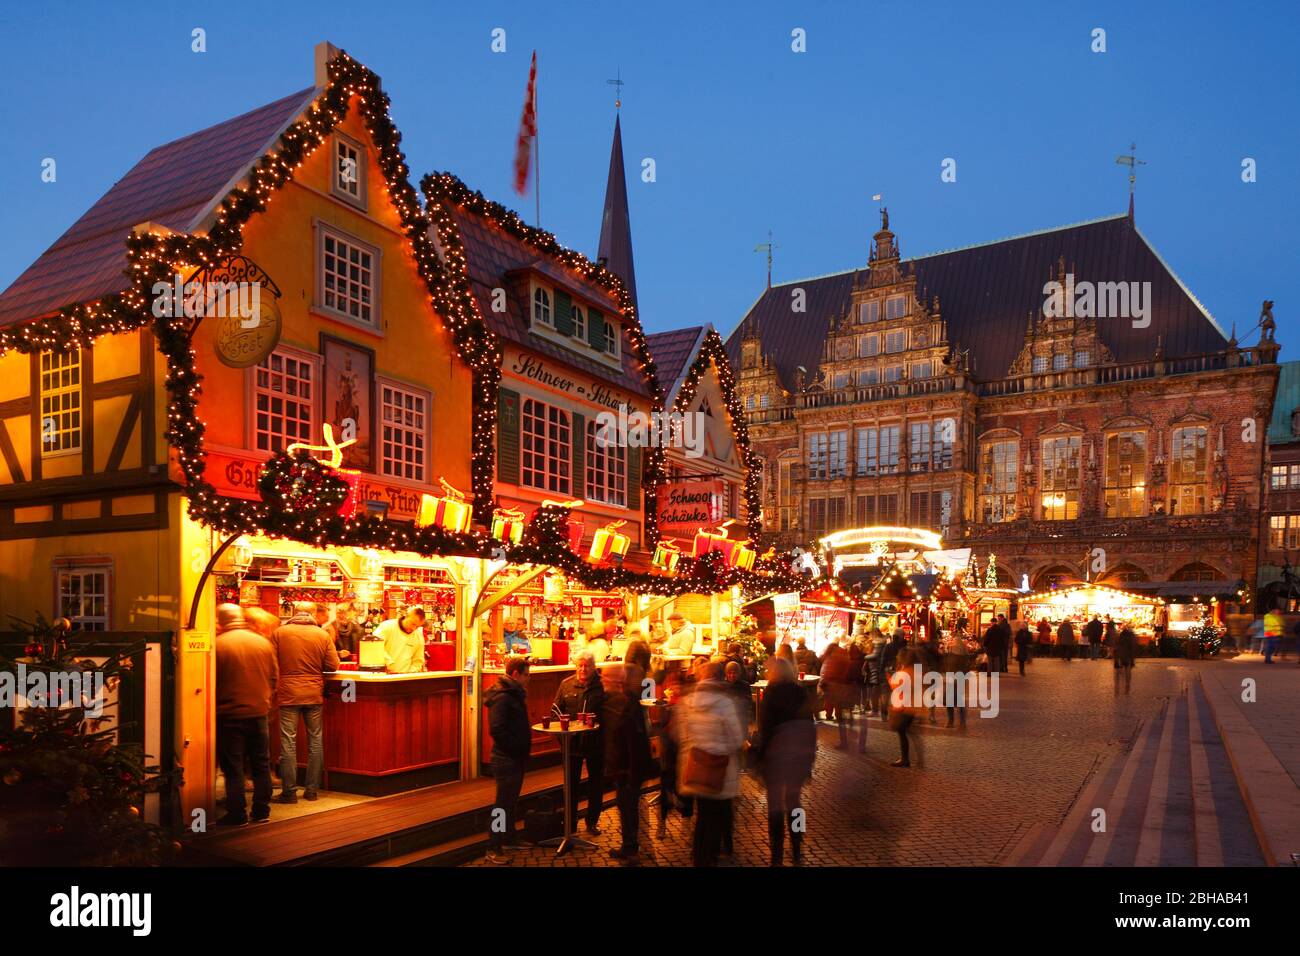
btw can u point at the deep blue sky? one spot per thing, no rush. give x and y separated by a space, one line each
746 134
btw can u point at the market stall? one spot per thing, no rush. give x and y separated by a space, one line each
1079 603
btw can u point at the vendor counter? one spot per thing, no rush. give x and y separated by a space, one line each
395 732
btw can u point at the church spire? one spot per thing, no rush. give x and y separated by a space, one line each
615 249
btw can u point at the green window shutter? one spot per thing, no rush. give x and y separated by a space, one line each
634 478
508 412
579 433
563 313
596 330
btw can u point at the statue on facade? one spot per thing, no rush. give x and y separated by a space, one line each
1266 324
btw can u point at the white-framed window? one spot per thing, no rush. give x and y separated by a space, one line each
1126 474
60 403
403 431
1082 358
542 307
83 594
284 400
1040 364
895 342
611 339
349 170
1059 482
546 447
998 480
763 401
1284 532
837 454
896 307
579 323
606 469
841 380
945 434
1060 361
893 373
869 311
877 451
749 403
817 445
868 376
918 446
348 277
1277 476
921 370
868 345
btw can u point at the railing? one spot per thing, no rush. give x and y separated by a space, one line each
858 394
1128 371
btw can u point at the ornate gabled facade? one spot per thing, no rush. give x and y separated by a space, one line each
954 392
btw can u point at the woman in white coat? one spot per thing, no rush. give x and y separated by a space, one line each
712 734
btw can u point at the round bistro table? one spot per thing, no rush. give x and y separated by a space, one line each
570 840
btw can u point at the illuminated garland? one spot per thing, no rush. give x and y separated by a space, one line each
712 350
445 189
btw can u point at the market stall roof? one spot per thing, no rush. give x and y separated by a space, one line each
1174 590
899 585
1090 594
831 594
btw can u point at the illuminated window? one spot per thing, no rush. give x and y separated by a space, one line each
1278 476
83 596
1284 532
606 469
1126 474
284 399
348 279
541 306
1060 478
404 432
547 448
1189 470
349 171
60 402
998 480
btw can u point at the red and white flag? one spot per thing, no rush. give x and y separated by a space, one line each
527 130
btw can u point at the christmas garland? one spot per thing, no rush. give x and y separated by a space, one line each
713 351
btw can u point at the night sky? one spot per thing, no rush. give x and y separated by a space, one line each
746 135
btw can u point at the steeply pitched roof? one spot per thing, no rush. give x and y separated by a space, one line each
492 255
986 293
1285 402
175 185
615 245
674 351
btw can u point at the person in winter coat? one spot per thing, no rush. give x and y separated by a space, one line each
628 760
902 708
709 761
304 653
512 741
784 755
583 693
1065 637
247 672
873 672
1112 635
838 689
889 657
1092 635
805 658
956 664
1125 656
995 646
1023 644
931 658
1044 635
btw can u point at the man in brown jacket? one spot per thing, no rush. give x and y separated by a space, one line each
247 672
305 652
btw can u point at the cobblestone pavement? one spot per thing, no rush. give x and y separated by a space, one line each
976 793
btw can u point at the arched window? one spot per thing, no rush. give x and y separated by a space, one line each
1124 574
1197 571
541 306
1189 470
611 340
1054 577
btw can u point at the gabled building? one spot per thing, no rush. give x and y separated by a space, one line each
1280 532
1109 438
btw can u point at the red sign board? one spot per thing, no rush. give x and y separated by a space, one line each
236 476
686 506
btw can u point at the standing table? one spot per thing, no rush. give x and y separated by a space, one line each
570 840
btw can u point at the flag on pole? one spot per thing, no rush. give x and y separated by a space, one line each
527 130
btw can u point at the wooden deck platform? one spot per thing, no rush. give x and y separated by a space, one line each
369 832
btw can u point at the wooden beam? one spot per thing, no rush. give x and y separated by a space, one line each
88 411
10 455
16 407
486 604
88 486
118 451
654 605
36 429
115 387
148 454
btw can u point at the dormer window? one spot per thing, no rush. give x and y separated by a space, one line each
579 324
349 171
1040 364
896 307
1060 361
611 340
542 307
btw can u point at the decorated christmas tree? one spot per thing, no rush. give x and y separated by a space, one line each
70 794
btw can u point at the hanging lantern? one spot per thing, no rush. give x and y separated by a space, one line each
608 544
241 555
553 585
508 525
666 556
449 510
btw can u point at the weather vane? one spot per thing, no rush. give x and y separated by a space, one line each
767 247
618 86
1132 162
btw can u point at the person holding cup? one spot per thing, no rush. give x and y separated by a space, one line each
583 693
